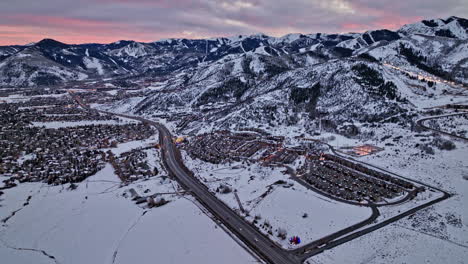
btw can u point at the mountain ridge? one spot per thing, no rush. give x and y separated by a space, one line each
59 63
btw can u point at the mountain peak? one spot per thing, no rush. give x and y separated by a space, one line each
123 42
50 44
452 27
455 18
462 21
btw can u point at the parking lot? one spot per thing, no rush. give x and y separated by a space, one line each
349 181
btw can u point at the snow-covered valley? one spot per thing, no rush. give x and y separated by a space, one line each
315 148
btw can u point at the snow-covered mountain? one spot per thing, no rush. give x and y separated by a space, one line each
50 62
371 76
259 81
452 27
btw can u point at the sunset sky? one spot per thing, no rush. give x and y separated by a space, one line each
104 21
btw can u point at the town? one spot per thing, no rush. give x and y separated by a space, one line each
30 153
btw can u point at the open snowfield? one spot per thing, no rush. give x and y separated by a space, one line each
394 244
63 124
59 124
127 146
285 208
282 205
96 224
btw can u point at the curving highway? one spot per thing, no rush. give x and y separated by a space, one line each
253 238
259 243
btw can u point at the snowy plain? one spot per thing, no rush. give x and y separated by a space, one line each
96 224
281 205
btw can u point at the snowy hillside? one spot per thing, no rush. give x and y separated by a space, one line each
30 67
253 80
452 27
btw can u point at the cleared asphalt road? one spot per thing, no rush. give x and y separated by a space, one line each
247 233
253 238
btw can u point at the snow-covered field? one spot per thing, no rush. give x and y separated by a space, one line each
96 223
17 98
301 212
127 146
275 202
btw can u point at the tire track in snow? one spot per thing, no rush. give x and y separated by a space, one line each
4 220
43 252
114 255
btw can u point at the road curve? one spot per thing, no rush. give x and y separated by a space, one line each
421 122
260 244
253 238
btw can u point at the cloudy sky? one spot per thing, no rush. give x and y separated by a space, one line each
103 21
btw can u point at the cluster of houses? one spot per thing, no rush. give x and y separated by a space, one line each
57 156
69 166
223 146
42 109
368 171
281 155
133 165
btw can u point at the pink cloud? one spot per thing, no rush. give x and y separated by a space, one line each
149 20
69 30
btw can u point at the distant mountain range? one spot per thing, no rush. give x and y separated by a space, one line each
262 81
49 62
